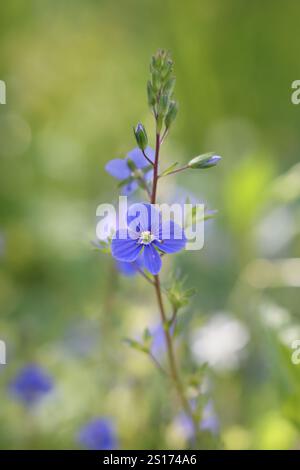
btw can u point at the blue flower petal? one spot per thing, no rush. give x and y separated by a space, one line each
136 155
130 269
143 216
152 260
124 249
210 419
140 161
118 168
129 188
172 237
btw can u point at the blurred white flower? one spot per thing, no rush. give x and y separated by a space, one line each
220 342
275 231
289 334
274 315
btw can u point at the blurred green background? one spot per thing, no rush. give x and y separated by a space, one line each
76 74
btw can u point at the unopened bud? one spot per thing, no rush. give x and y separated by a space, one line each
151 94
141 136
163 104
169 86
204 161
171 114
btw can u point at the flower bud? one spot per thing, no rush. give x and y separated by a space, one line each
167 69
204 161
141 136
171 114
163 104
169 86
156 81
151 94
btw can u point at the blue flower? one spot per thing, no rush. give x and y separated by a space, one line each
147 235
209 421
98 434
119 169
158 345
31 384
129 269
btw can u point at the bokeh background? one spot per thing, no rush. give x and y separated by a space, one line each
76 74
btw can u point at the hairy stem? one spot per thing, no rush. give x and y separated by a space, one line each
155 171
168 338
170 350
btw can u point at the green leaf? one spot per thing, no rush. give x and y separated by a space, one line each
102 246
147 339
169 169
136 345
179 296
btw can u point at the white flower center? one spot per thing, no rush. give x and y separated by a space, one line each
137 174
146 237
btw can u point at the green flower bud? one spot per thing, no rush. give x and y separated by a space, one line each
152 64
156 81
163 104
167 69
141 136
204 161
171 114
151 94
169 86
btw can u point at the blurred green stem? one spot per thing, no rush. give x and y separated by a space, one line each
171 355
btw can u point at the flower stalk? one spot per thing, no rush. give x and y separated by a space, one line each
142 247
174 374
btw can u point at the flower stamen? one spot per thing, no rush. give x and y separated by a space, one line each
146 237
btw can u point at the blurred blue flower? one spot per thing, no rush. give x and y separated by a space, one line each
31 384
209 421
119 169
81 337
147 238
98 434
158 345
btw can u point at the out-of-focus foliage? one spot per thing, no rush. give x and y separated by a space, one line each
76 76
